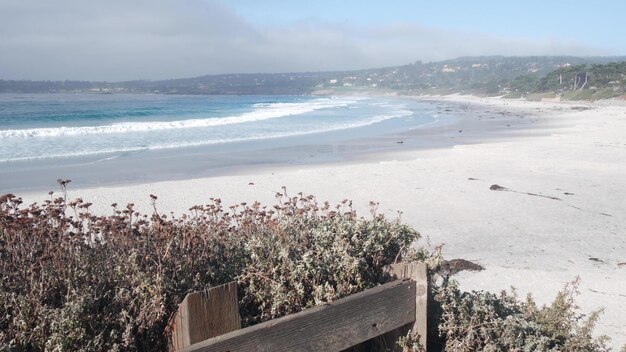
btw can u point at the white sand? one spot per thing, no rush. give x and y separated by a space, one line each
527 241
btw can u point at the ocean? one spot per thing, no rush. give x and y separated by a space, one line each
54 134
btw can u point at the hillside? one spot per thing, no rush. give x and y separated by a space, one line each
487 75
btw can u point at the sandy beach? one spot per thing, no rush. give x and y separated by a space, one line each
557 212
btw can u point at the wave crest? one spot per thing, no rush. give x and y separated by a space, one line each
261 112
132 149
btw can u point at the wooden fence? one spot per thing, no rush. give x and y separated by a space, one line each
209 321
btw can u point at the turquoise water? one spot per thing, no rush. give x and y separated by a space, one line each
98 139
61 126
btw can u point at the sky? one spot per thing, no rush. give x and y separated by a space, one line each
118 40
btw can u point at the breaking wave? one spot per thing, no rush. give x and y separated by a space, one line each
182 144
261 112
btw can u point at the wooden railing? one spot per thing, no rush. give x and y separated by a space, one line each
209 321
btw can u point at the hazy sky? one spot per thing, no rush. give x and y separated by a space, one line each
155 39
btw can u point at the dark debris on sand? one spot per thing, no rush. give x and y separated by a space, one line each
454 266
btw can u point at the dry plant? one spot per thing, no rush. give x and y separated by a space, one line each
484 321
74 281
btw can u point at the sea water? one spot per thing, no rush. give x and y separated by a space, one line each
42 132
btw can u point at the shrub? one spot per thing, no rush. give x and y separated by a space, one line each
483 321
74 281
540 96
513 95
606 93
585 94
71 280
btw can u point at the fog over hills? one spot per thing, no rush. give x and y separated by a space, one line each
488 75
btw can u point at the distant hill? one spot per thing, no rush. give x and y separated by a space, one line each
585 82
488 75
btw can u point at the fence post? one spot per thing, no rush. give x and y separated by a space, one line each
205 314
334 326
416 272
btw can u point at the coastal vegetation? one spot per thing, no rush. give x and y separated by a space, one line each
566 76
73 280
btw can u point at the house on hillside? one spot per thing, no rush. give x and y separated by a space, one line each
448 69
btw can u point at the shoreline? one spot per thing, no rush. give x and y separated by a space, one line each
559 216
230 159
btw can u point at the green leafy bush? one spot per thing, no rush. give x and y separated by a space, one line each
605 93
585 94
513 95
539 96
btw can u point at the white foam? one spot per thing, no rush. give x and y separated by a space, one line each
119 152
339 127
261 112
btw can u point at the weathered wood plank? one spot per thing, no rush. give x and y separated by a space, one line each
332 327
205 314
418 273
